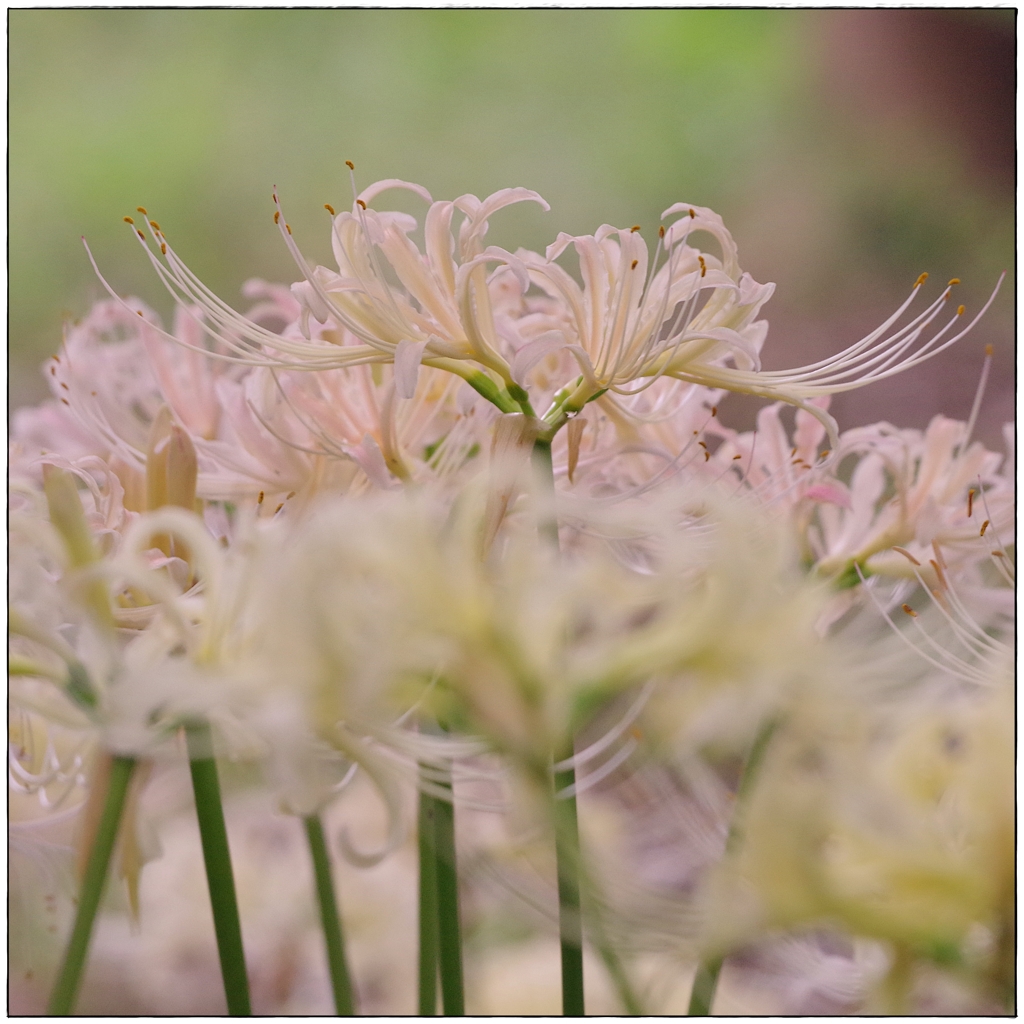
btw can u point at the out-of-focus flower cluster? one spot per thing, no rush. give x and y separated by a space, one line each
324 524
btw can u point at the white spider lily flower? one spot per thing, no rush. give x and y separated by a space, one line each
633 322
439 314
895 822
923 499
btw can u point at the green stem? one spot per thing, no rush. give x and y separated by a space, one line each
62 999
341 984
219 877
705 982
567 833
449 925
570 922
426 828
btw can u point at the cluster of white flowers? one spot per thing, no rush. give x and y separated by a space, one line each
449 483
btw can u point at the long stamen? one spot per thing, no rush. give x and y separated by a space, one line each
978 396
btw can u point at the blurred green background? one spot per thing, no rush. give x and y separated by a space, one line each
846 150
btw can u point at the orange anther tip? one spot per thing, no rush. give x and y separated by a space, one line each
259 500
139 311
288 228
163 248
140 234
692 214
906 554
634 229
661 231
921 280
329 208
714 410
277 216
128 220
984 527
632 265
989 350
910 611
351 166
953 281
153 224
361 204
735 457
960 310
141 209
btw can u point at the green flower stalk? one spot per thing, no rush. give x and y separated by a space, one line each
62 1000
341 984
219 876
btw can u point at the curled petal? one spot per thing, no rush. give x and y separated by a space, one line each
372 191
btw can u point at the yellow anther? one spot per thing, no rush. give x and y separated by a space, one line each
970 503
279 507
290 494
140 234
277 216
360 204
259 500
692 214
703 266
735 457
707 455
128 220
634 229
953 281
351 166
989 350
153 224
288 228
141 209
632 265
921 280
984 527
661 231
163 248
139 311
960 310
329 208
906 554
910 611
